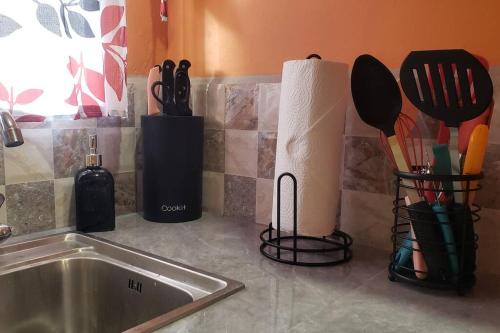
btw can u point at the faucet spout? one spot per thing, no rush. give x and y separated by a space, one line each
12 135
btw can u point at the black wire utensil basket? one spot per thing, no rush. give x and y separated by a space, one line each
434 243
295 249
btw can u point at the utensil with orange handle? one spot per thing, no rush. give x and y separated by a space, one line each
475 157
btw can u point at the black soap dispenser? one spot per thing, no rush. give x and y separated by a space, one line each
94 194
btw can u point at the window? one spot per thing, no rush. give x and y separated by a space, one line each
63 57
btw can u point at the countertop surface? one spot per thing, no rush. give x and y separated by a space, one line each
353 297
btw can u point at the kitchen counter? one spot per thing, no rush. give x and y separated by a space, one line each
354 297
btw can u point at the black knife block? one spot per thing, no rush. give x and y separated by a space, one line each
173 168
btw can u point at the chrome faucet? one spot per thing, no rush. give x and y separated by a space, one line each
11 133
5 230
12 137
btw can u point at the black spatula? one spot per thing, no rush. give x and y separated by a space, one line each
378 101
448 85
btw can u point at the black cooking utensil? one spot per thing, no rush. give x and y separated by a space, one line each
464 235
376 94
378 101
448 85
167 92
183 88
464 94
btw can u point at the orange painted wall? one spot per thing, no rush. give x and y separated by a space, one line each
147 37
248 37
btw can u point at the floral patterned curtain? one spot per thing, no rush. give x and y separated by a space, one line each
63 57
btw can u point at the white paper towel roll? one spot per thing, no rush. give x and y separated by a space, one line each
311 122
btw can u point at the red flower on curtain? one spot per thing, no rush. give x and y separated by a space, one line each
93 81
114 63
25 97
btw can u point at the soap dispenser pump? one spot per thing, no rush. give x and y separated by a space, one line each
94 194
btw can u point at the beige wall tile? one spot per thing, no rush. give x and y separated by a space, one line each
268 103
117 146
32 161
215 106
198 101
241 153
213 192
138 88
64 194
240 109
68 123
264 201
494 136
368 218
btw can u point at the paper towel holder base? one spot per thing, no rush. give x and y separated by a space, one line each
321 251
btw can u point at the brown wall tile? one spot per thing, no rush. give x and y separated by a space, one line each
489 195
241 153
213 150
70 149
267 154
239 196
31 207
366 167
240 107
125 199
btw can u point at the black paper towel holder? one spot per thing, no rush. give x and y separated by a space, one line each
274 248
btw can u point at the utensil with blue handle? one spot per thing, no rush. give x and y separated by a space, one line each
448 236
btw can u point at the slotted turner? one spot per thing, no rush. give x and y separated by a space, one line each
448 85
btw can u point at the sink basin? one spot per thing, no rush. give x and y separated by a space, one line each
78 283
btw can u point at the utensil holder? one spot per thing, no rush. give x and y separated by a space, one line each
173 167
303 250
444 234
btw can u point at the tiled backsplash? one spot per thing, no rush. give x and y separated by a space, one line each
241 117
37 177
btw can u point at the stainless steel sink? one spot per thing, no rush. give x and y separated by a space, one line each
79 283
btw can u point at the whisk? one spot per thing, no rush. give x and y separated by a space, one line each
410 140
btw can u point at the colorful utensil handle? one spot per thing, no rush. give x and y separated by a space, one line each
402 166
455 161
449 238
404 252
418 259
474 159
442 165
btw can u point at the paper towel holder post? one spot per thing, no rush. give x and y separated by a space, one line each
275 248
